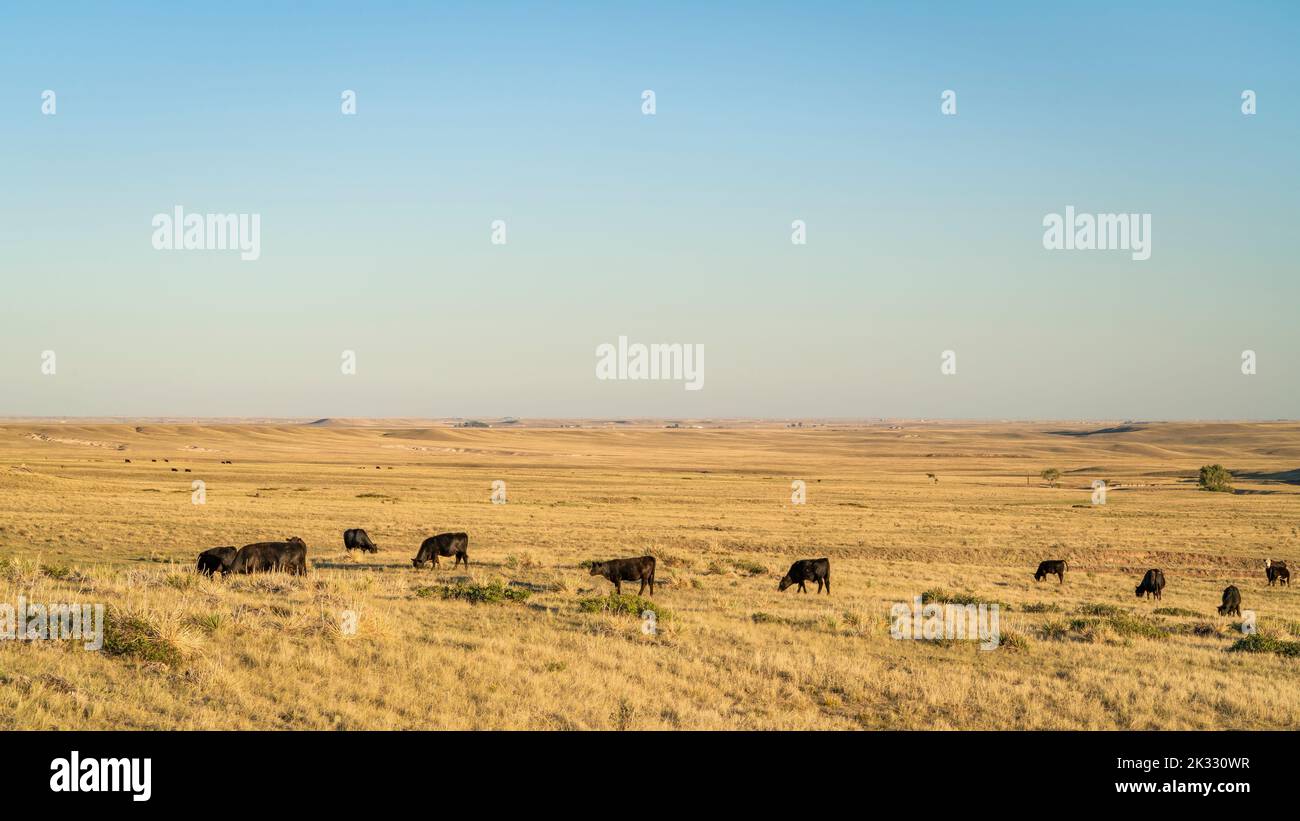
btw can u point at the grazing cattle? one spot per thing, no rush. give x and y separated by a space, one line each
128 461
1277 572
216 560
265 557
357 539
444 544
1152 583
640 569
1049 567
808 570
1231 602
174 470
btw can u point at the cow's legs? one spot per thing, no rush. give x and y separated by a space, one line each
828 585
618 586
652 586
641 592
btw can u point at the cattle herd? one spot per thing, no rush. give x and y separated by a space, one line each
290 556
1153 583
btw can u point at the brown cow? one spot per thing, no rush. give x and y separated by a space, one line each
640 569
1153 583
265 557
1277 572
444 544
216 560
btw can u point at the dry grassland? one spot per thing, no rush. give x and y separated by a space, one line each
79 524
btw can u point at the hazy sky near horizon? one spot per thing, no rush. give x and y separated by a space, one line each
924 231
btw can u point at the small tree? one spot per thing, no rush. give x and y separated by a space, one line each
1050 476
1215 478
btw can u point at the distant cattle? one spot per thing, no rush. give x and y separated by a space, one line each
357 539
216 560
444 544
128 461
289 556
174 470
1050 567
1231 602
641 569
808 570
1152 584
1277 572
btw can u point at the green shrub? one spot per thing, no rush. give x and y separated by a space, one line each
1126 624
626 604
132 636
940 596
1099 610
1265 643
208 622
746 566
494 592
1013 641
56 571
1215 478
1102 621
1175 611
1055 629
1041 607
182 581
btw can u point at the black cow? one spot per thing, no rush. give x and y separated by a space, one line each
1231 602
1047 568
265 557
357 539
1152 583
640 569
444 544
808 570
216 560
1277 572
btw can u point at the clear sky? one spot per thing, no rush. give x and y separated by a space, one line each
924 230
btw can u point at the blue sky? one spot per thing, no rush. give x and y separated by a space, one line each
924 230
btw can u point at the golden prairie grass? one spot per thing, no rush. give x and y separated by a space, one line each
367 641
